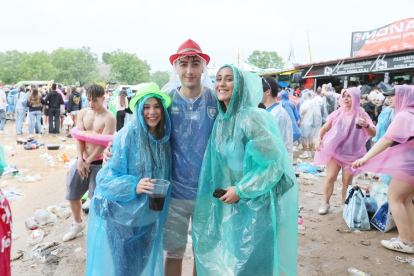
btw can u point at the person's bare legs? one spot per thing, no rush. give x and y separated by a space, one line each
332 170
310 139
400 195
304 144
346 181
76 206
174 267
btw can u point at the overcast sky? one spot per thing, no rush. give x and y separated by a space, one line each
155 29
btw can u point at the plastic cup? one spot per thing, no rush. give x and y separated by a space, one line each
357 123
157 198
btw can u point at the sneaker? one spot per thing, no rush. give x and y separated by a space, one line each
2 132
397 244
300 146
324 208
309 154
69 136
85 206
304 155
75 229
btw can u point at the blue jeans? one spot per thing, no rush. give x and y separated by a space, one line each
35 118
3 118
20 113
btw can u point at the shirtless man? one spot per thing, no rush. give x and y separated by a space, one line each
82 176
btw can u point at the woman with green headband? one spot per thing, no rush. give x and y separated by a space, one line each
252 229
124 231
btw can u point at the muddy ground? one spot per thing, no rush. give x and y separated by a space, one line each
322 249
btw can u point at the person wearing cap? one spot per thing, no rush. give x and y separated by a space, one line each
192 112
124 235
393 155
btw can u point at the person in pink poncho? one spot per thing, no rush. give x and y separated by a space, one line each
340 141
393 154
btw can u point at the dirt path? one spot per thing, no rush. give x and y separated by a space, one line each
322 249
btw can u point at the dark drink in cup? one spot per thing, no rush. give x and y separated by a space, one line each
357 123
159 192
156 202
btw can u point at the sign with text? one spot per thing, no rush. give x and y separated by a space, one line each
394 63
397 36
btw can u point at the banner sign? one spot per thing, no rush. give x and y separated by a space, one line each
394 63
397 36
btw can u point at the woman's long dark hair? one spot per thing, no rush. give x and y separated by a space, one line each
159 129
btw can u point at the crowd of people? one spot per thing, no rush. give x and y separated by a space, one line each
228 162
54 108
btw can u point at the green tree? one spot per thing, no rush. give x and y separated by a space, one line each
131 69
75 66
37 66
265 59
160 77
11 67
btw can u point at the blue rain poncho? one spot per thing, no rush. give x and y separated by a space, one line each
293 114
384 121
124 235
259 234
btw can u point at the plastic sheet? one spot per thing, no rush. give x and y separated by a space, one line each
384 121
258 235
285 127
344 142
293 114
124 235
311 116
307 168
398 161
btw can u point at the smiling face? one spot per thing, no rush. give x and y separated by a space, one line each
152 113
346 97
391 100
189 70
224 85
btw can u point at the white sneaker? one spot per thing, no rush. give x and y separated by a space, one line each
85 206
397 244
309 154
324 208
75 229
2 132
300 146
304 155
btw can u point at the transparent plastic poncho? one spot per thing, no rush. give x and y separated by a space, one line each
285 127
311 118
259 234
3 162
398 160
344 143
124 235
293 114
112 105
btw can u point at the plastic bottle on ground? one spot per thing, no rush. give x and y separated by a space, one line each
31 224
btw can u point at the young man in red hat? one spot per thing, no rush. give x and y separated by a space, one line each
192 113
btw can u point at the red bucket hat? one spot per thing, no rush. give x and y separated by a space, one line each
189 48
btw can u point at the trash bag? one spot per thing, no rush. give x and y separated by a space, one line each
379 192
258 235
355 213
383 219
124 235
307 168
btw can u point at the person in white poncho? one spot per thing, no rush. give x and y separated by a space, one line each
310 122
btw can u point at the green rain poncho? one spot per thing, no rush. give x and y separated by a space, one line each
259 234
